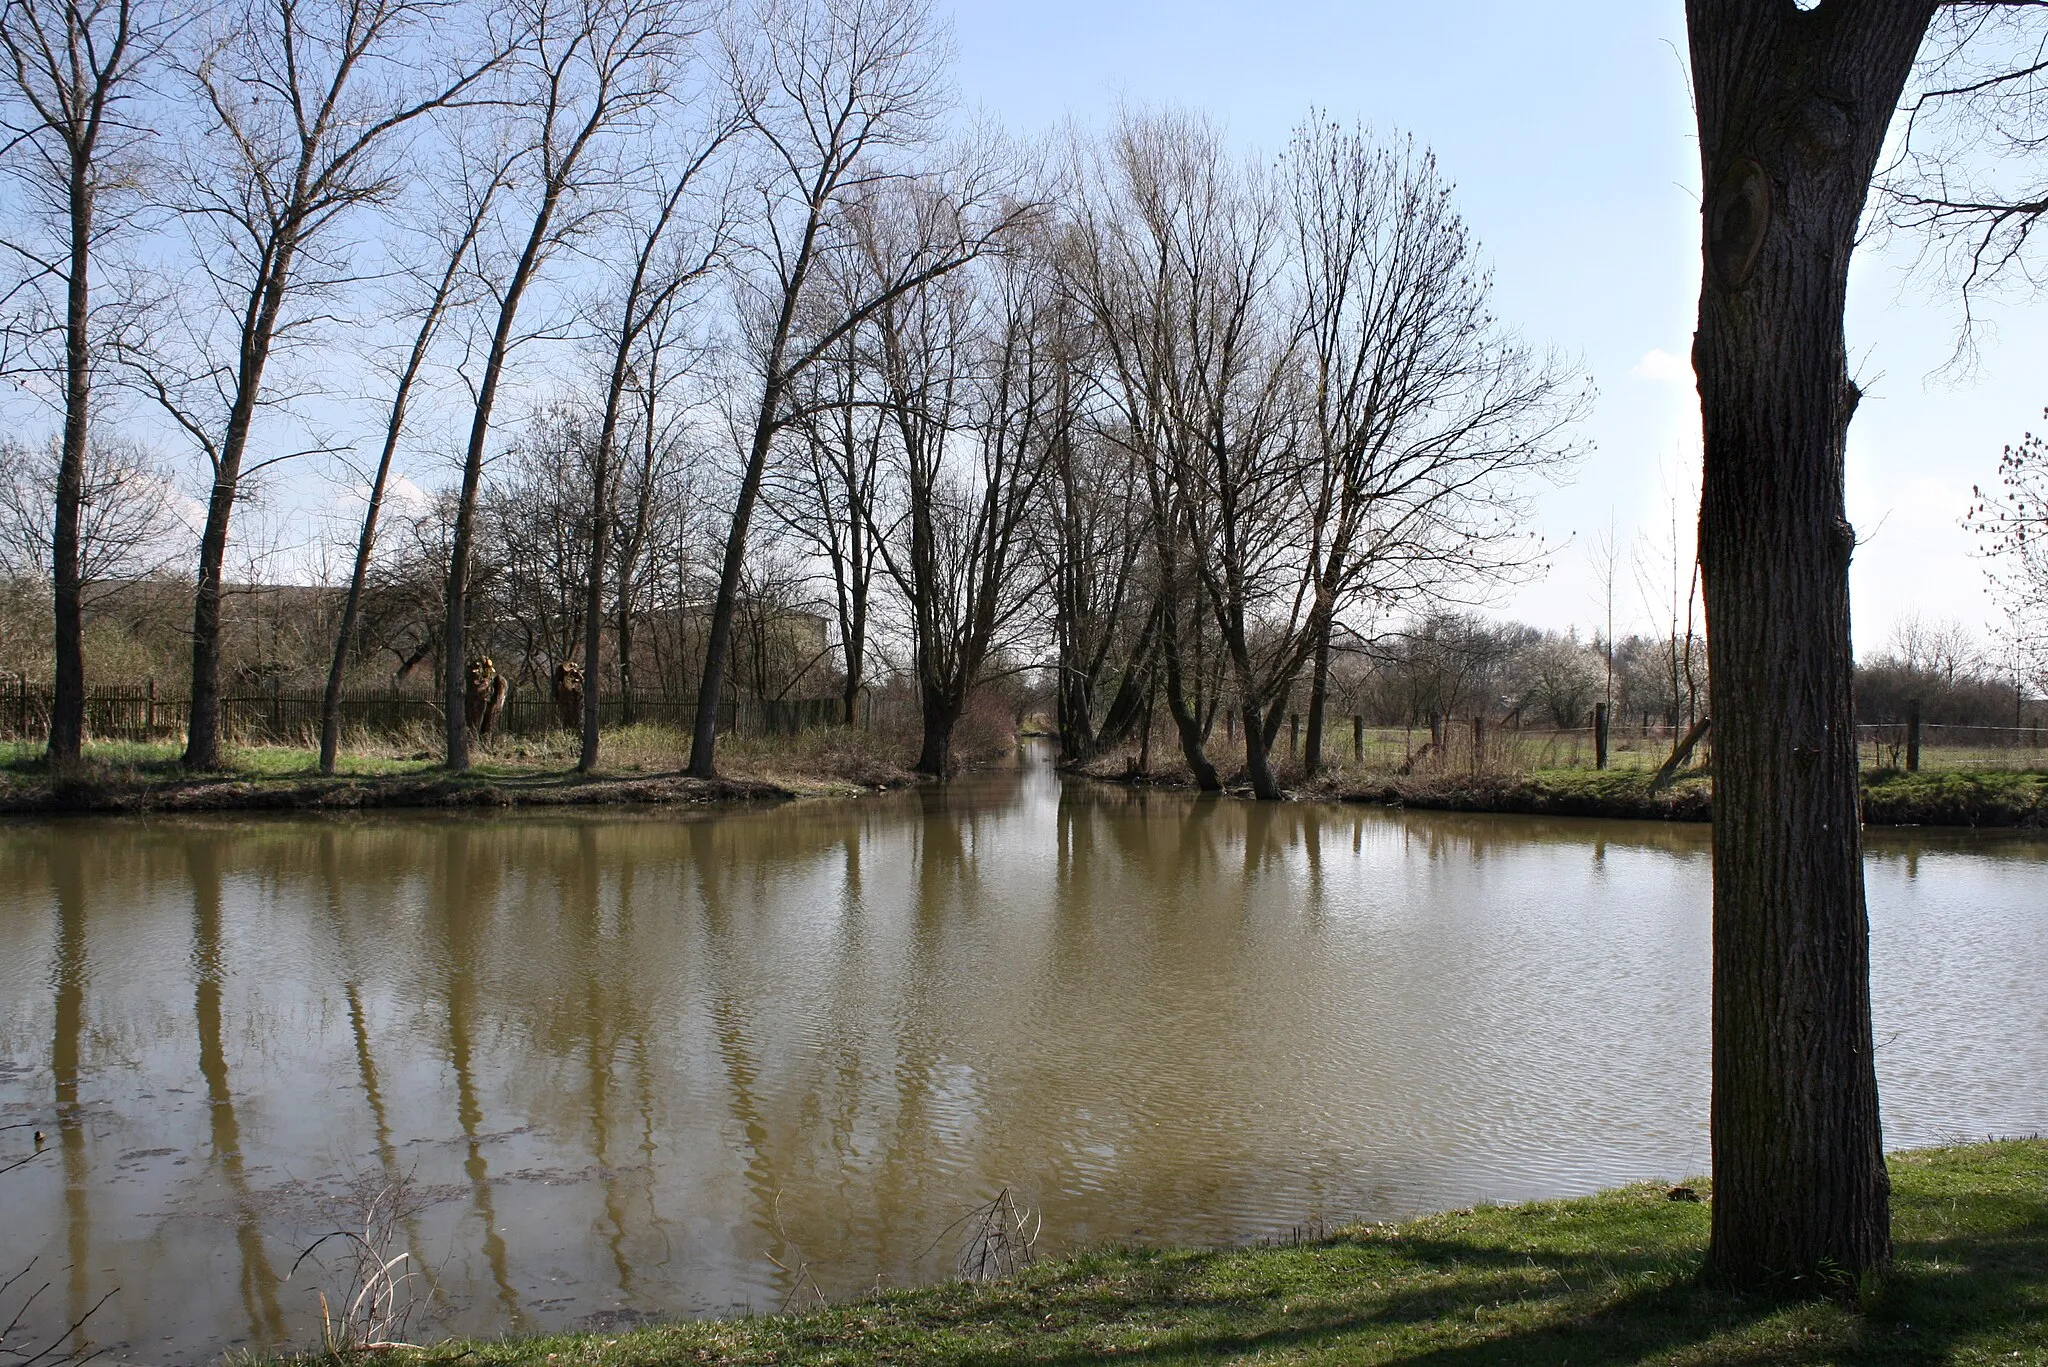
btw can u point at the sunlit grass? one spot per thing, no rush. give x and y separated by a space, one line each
1609 1279
829 759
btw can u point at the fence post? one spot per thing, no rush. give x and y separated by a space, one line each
1294 735
1600 735
1358 738
1913 736
21 728
149 708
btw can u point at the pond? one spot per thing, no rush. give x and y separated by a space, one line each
620 1065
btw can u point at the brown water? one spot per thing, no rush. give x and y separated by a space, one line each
663 1064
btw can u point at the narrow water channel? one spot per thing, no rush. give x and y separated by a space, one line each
634 1064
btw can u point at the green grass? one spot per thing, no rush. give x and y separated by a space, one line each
829 761
1985 797
1609 1279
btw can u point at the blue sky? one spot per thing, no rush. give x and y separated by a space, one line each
1568 130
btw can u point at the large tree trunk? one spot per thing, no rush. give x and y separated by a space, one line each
1257 747
203 731
1793 106
1186 723
259 328
718 644
67 706
1318 703
941 714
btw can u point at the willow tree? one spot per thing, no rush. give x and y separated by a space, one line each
1793 107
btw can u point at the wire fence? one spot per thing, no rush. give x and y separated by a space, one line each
1456 745
142 713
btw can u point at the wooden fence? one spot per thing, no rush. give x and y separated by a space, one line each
145 713
1456 745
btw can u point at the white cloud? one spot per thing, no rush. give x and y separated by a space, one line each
1663 367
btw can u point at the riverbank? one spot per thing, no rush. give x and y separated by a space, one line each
1987 799
1612 1278
641 767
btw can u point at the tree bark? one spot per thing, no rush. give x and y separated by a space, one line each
1793 105
259 329
67 704
1186 723
1318 702
941 712
718 643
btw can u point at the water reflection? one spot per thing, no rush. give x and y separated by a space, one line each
662 1063
67 879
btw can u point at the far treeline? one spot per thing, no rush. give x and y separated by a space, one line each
728 305
732 343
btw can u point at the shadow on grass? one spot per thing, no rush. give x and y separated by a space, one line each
1482 1305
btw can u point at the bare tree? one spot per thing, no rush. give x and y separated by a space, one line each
302 106
128 527
2012 524
659 486
73 68
825 493
1667 574
1204 353
969 381
481 190
1427 418
652 288
1094 535
534 543
1967 182
834 93
584 69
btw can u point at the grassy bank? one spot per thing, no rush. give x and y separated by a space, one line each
1983 798
639 765
1609 1279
